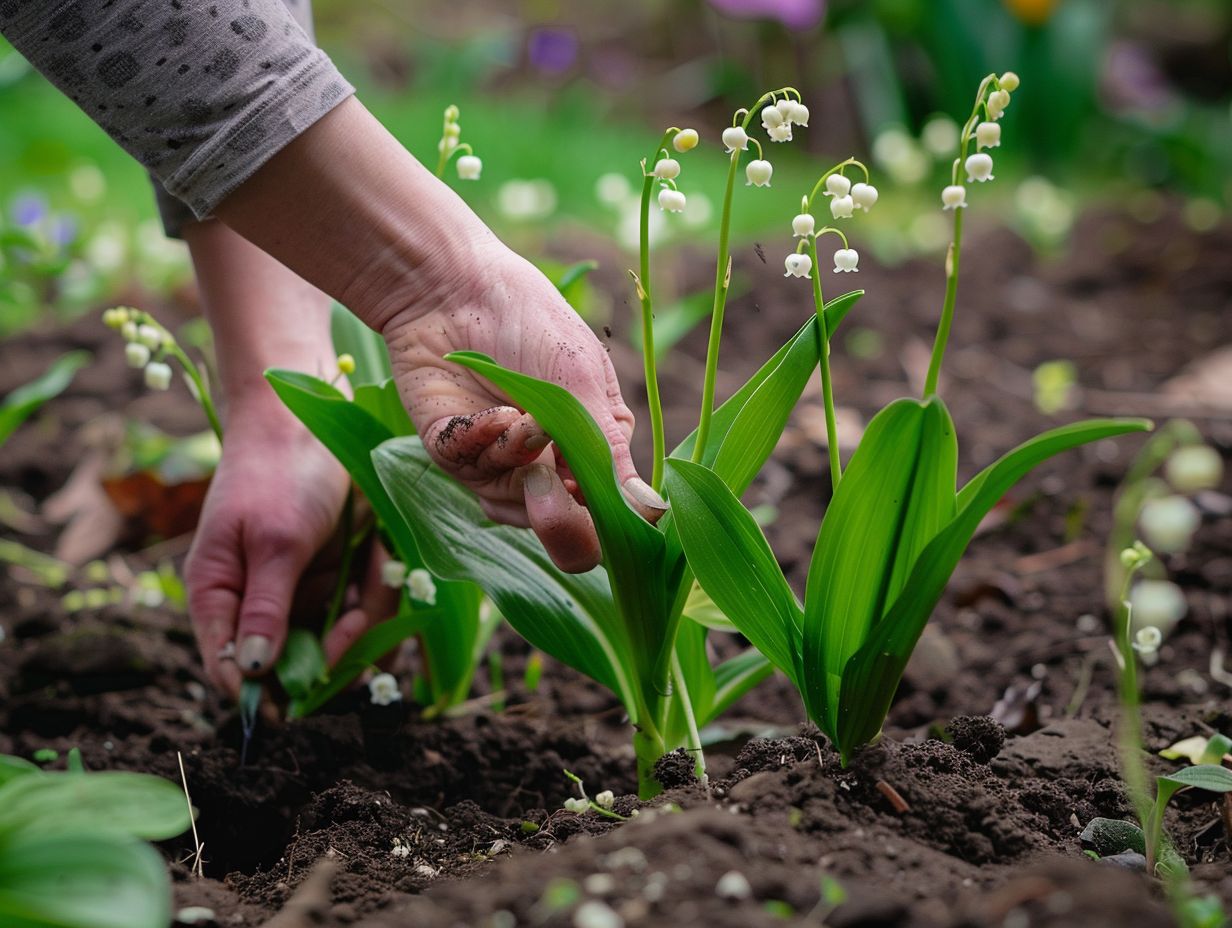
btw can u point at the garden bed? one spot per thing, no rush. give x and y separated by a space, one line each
949 822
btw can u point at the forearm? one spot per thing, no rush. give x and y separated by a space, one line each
349 209
262 315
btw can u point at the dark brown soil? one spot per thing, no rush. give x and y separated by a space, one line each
951 821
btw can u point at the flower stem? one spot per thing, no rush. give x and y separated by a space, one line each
694 744
827 387
199 387
947 309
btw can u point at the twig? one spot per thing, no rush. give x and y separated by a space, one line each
198 865
895 798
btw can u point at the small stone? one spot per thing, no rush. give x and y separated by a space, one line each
733 885
596 915
599 884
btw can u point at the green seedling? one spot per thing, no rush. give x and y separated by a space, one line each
896 525
22 403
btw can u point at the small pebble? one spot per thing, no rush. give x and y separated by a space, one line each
733 885
596 915
599 884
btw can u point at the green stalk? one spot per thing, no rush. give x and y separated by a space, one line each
1129 732
203 395
827 387
694 745
344 568
648 747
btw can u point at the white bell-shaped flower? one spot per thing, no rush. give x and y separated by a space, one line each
1168 523
1193 468
128 328
771 117
846 260
1009 81
685 140
837 185
735 138
136 354
421 586
987 135
667 169
149 335
758 173
393 574
157 375
798 265
671 201
799 113
1156 603
864 195
784 108
1148 639
998 100
803 225
383 690
979 167
780 133
469 167
954 197
605 798
842 207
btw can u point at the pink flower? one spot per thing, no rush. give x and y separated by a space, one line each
794 14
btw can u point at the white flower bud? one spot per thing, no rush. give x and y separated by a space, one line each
784 108
115 317
595 914
157 375
842 207
987 135
864 195
149 336
453 131
998 100
798 265
845 260
734 137
137 354
758 173
1193 468
1168 523
671 201
393 574
469 167
128 328
837 185
685 140
780 133
1147 640
1009 81
576 805
420 585
979 168
799 113
667 169
605 799
1156 604
803 225
771 117
383 689
954 197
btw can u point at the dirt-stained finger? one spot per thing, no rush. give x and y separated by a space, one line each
564 526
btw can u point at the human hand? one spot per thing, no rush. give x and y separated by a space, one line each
272 508
508 310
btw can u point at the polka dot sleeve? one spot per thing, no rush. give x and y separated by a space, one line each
201 93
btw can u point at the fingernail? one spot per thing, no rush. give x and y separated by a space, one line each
538 480
537 442
641 493
255 653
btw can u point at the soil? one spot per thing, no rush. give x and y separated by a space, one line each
953 820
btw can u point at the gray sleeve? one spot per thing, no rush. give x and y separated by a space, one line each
201 92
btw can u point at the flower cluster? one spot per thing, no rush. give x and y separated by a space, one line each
666 169
984 129
418 582
777 118
145 339
845 198
469 166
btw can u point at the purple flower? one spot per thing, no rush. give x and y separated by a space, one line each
794 14
552 50
64 229
28 209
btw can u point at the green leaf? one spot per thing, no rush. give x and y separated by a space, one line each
453 645
872 676
1108 836
81 880
366 346
383 403
573 274
1211 777
112 802
13 767
732 560
633 549
22 402
733 678
570 616
700 608
837 309
302 664
897 493
1216 749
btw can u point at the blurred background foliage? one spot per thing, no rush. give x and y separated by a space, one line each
1124 101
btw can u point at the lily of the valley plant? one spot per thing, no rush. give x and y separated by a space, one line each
896 525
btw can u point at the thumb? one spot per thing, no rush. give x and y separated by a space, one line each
269 587
615 419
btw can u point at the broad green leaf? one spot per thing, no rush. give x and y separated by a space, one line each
110 801
898 491
81 880
13 767
383 403
633 549
302 664
374 644
366 346
1211 777
699 682
872 676
450 644
22 402
1108 836
734 564
700 608
569 616
1216 749
573 274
